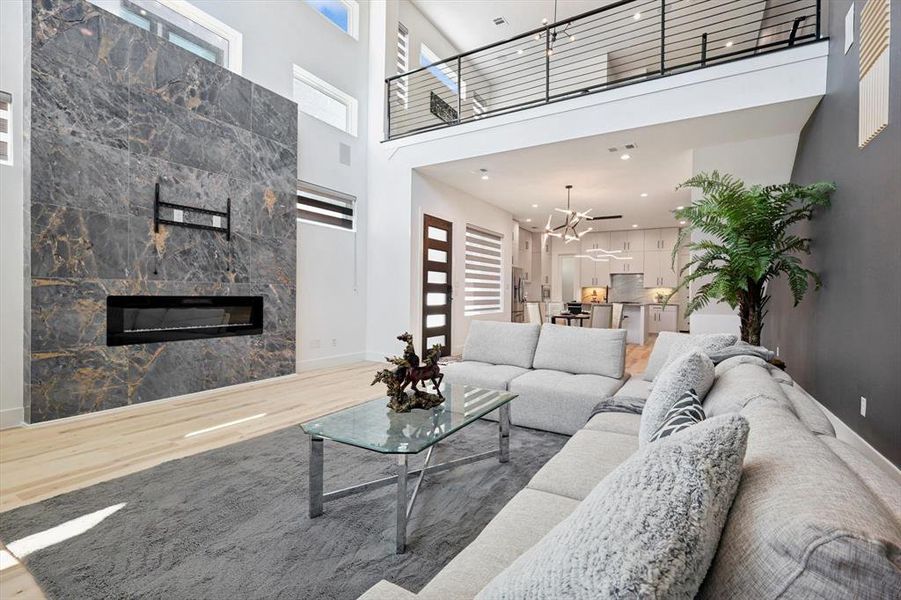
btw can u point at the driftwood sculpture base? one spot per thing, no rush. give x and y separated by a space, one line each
418 399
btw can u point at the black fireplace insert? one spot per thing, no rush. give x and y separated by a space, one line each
145 319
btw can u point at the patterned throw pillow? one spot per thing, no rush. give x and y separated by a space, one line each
687 411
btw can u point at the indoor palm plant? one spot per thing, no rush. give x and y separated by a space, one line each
748 242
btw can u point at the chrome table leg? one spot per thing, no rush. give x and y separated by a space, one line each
503 426
315 476
401 533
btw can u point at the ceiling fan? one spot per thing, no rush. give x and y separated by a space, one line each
571 220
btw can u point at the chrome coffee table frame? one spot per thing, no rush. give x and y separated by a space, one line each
404 506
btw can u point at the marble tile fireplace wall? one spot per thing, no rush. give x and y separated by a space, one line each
114 111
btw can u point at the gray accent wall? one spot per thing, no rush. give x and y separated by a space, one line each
844 341
115 110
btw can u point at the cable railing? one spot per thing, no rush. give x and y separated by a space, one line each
622 43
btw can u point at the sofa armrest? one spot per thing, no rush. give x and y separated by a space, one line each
385 590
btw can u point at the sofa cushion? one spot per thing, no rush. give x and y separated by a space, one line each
501 343
883 486
669 342
683 414
808 410
526 519
615 422
479 374
557 401
802 524
636 387
648 530
583 462
693 371
738 386
582 350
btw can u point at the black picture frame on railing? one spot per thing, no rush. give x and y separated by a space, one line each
441 109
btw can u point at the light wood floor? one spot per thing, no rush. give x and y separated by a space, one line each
42 461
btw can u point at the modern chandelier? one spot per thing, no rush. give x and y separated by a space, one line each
571 220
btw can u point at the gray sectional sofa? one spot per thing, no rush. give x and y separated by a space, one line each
559 372
812 517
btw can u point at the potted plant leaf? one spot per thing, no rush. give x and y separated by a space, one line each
748 241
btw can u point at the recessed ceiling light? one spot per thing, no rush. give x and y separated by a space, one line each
537 36
530 220
636 16
484 173
634 225
729 44
625 156
643 194
679 207
519 51
681 222
544 21
572 38
534 206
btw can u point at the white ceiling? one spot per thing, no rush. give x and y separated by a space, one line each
602 180
470 24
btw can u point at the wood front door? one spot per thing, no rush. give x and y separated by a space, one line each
437 290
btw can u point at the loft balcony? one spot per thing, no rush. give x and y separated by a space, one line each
624 43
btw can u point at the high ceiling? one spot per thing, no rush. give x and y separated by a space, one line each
602 180
470 24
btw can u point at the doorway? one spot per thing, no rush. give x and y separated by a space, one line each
568 276
437 290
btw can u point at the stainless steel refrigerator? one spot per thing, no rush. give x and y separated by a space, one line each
518 300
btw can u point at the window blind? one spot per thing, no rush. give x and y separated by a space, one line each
483 272
6 153
403 63
323 206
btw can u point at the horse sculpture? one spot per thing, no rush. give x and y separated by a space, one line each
408 372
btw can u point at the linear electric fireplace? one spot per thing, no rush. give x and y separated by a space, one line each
144 319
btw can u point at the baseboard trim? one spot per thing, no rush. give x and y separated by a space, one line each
238 387
331 361
12 417
853 439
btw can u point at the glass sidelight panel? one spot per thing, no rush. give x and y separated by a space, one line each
432 321
435 299
437 277
439 256
437 234
435 339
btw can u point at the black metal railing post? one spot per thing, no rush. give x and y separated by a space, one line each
459 90
388 109
794 33
819 15
662 36
547 64
703 49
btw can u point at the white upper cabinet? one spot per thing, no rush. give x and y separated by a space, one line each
659 271
632 240
660 239
631 262
596 240
594 273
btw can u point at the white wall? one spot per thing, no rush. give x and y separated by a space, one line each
440 200
763 161
13 17
331 263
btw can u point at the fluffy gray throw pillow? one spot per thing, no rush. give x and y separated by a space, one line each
648 530
690 371
707 343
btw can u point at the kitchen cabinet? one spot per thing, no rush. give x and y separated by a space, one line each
660 239
545 259
659 271
662 318
627 241
597 240
632 262
594 273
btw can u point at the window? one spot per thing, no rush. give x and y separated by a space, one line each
345 14
321 206
6 124
444 73
184 25
483 272
324 101
403 63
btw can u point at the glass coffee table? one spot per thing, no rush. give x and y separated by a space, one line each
373 426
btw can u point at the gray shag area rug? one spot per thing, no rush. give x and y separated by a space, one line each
232 523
